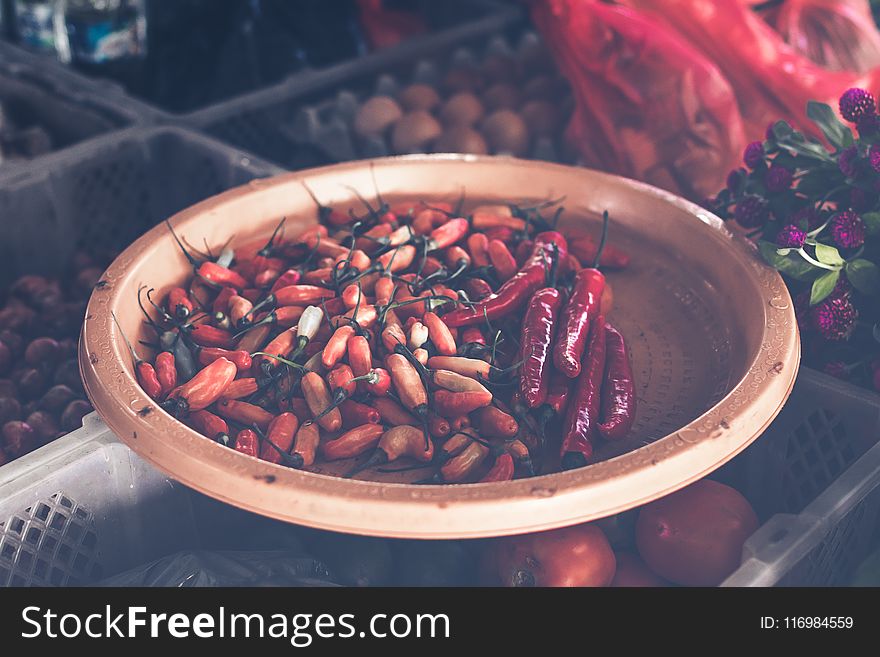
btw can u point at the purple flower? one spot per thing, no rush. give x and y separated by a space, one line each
835 318
791 237
778 178
868 125
874 157
856 103
753 156
751 211
847 230
847 162
735 180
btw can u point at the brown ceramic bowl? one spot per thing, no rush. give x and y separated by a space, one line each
711 329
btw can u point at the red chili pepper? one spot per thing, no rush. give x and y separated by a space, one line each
289 277
471 367
492 422
576 319
210 425
502 260
247 442
439 334
618 388
486 220
397 260
514 293
557 393
379 382
477 289
244 413
452 404
353 442
166 371
305 445
221 301
586 248
396 442
523 250
178 304
584 408
355 414
214 273
392 413
458 467
340 381
408 384
438 427
279 438
302 295
206 387
538 329
478 246
281 346
456 257
448 234
241 388
206 335
317 395
239 308
473 335
299 407
501 470
500 233
241 358
266 277
147 379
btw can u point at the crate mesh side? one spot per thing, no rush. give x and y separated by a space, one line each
50 543
834 560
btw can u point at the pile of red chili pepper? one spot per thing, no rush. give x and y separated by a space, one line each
461 345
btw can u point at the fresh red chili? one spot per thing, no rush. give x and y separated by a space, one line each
206 387
579 430
452 404
396 442
179 304
502 260
501 470
214 273
241 358
279 438
210 425
355 414
206 335
576 319
515 292
244 413
353 442
538 330
618 388
166 371
247 442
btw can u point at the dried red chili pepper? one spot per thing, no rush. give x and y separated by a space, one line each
538 331
618 388
515 292
584 408
576 319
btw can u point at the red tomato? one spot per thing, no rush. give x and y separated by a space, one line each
695 536
573 556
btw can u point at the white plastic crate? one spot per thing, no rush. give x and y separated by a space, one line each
86 507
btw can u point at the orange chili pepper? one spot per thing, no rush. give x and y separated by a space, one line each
399 259
355 414
390 412
289 277
317 395
239 307
467 366
439 427
455 382
178 303
359 357
408 384
448 234
353 442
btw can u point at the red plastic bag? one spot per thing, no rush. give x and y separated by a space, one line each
648 105
839 35
770 79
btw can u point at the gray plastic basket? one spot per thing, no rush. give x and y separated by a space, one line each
104 193
263 122
71 107
86 507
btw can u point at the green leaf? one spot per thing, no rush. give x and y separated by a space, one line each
864 276
781 129
825 118
823 286
828 255
791 265
872 222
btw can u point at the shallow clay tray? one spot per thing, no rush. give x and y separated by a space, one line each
711 329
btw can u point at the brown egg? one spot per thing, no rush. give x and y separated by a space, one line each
541 86
506 132
461 139
463 79
419 97
499 67
541 117
501 96
461 109
414 132
376 115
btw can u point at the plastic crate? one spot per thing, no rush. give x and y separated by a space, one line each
818 469
264 122
70 107
86 507
105 193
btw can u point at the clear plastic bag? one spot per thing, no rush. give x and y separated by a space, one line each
204 568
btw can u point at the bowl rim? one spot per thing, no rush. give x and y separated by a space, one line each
436 511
